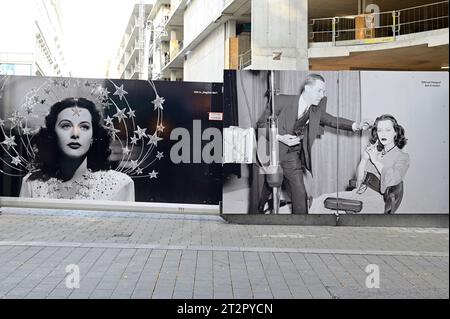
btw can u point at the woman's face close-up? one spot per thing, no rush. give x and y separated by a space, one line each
386 132
74 131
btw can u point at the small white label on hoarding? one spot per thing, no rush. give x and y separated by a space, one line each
215 116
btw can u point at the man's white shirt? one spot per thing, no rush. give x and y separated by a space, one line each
302 107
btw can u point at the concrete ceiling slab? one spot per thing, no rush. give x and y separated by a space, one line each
414 58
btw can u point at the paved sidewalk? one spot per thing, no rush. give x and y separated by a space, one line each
142 255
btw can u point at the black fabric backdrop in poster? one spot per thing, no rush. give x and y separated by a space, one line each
139 116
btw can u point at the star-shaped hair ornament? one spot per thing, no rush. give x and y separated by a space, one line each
16 160
140 132
55 90
106 104
159 155
65 83
153 174
9 141
134 140
154 139
120 114
104 93
76 111
158 102
97 94
29 109
26 131
131 113
33 99
109 121
126 150
112 131
120 91
16 119
160 128
47 90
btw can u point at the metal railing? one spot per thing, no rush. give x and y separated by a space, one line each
245 59
380 24
423 18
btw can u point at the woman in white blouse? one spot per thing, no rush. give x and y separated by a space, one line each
383 164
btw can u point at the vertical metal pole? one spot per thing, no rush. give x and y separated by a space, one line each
141 40
273 141
272 93
333 34
393 24
337 142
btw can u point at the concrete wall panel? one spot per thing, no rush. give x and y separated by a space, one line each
280 26
207 61
198 15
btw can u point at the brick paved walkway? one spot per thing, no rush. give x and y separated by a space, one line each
126 255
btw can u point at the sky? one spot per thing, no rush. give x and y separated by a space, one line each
93 30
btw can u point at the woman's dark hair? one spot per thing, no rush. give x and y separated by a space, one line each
48 155
399 140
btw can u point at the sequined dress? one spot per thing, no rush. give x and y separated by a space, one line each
100 185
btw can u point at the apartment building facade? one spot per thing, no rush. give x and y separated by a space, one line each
200 38
131 58
206 37
159 40
31 38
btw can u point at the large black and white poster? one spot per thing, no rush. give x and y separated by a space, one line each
110 140
346 142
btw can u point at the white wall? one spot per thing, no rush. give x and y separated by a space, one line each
423 111
16 26
198 15
159 19
207 61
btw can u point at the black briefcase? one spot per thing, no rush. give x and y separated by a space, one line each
348 205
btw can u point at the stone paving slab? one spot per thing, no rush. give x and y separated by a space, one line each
215 248
219 274
204 257
179 231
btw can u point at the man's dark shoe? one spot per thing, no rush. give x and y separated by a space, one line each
282 203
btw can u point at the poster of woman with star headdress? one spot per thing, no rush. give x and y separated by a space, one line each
110 140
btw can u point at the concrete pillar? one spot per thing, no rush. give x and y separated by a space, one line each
173 75
280 35
230 29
